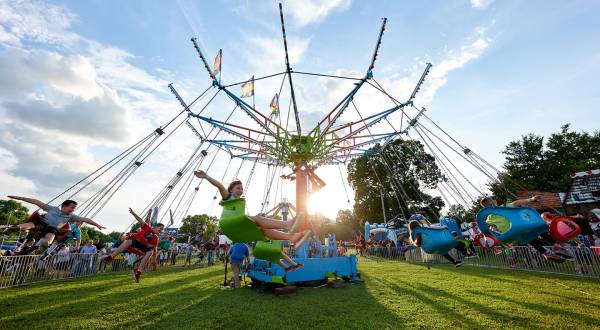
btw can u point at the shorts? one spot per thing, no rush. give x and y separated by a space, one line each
41 227
139 246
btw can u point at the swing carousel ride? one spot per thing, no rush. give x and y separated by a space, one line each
281 142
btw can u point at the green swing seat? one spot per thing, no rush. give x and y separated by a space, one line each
236 225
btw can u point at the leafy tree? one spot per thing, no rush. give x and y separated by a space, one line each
12 212
345 227
115 235
399 173
192 223
457 212
532 164
88 233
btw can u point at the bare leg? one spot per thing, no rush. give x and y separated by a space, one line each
46 241
144 261
121 248
267 223
16 228
279 235
288 259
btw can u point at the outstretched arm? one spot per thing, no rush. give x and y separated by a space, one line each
216 183
34 201
89 222
137 217
526 201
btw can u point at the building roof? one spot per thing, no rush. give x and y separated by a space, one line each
585 188
549 200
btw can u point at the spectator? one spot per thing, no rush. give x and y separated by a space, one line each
174 252
189 250
88 255
210 250
239 252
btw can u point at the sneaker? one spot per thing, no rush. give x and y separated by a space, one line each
551 256
458 264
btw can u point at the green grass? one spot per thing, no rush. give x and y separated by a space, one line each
394 295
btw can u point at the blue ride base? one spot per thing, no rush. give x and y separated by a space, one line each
324 265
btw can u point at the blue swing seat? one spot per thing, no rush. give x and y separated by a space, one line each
524 224
435 240
451 224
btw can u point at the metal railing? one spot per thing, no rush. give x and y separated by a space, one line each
22 270
28 269
585 262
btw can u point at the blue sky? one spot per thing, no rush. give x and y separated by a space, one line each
80 80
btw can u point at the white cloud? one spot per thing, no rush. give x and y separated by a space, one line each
25 71
306 12
36 21
64 98
456 59
481 4
269 56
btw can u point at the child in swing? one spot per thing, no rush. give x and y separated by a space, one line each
268 226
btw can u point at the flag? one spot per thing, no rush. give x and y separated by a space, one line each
248 88
275 104
217 65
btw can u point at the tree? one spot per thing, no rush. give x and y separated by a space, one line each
399 173
532 164
12 212
457 212
192 223
345 227
115 235
88 233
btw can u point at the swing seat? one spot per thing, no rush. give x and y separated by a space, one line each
523 224
270 251
451 224
435 240
236 225
563 229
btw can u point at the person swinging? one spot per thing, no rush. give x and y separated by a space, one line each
270 227
49 224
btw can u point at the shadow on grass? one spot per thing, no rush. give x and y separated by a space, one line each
547 309
91 299
352 307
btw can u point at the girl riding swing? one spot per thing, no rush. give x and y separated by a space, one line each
270 227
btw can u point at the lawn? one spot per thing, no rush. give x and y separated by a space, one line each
394 295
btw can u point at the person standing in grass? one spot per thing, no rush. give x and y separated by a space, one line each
237 254
189 250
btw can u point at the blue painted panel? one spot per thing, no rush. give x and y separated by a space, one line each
435 240
451 224
314 269
525 224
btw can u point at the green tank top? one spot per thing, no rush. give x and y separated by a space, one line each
499 221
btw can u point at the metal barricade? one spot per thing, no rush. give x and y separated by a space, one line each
28 269
585 261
